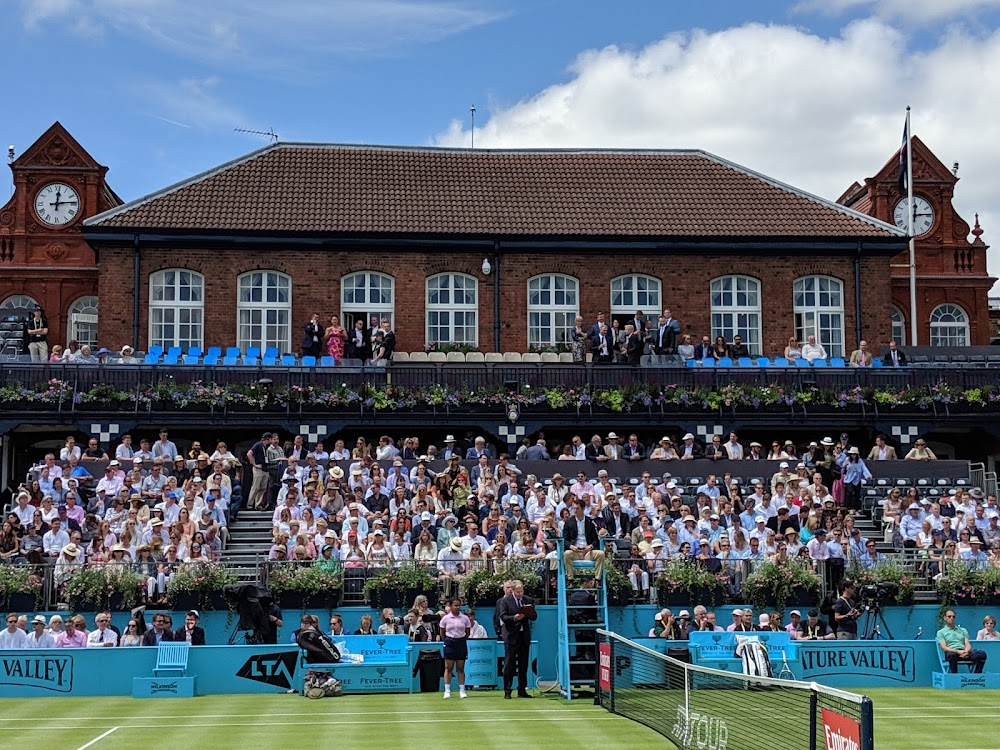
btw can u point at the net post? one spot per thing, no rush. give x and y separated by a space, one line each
813 709
867 723
611 677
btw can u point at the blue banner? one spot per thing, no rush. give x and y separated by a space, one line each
723 645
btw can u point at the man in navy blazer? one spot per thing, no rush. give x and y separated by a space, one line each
191 632
516 626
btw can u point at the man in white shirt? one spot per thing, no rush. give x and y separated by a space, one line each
111 483
472 537
811 350
38 638
818 548
733 448
24 512
12 637
54 539
760 530
70 449
125 450
164 449
102 636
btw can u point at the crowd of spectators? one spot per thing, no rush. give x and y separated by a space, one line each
72 632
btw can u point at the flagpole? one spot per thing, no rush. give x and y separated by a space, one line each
913 250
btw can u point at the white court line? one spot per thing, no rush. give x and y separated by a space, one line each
312 723
97 739
284 715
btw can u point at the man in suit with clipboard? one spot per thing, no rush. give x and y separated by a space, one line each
517 611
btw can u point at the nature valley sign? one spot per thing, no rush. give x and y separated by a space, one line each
53 673
896 663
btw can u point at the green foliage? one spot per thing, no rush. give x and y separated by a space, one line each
687 576
964 584
95 584
206 580
486 583
886 571
773 581
18 579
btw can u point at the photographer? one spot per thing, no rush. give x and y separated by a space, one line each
416 631
390 623
845 613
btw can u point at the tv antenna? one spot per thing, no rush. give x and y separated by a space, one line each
472 111
269 133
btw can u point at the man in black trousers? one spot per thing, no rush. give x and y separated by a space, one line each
516 613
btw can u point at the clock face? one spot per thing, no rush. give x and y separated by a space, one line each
57 204
923 215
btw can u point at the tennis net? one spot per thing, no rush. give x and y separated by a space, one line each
709 709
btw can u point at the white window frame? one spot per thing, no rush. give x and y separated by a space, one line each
264 311
83 315
18 304
949 325
553 304
898 322
452 296
179 305
735 309
818 309
636 291
378 291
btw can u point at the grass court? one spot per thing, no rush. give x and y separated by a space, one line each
905 719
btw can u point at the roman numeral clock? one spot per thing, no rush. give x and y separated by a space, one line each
57 204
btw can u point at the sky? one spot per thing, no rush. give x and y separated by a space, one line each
810 92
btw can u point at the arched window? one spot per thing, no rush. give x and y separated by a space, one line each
176 308
632 293
83 321
736 310
819 312
264 311
18 304
452 309
553 304
898 326
949 326
364 294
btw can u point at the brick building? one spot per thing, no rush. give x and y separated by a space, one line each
43 256
953 284
496 250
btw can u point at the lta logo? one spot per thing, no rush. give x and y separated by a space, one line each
271 669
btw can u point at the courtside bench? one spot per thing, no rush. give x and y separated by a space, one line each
718 650
370 664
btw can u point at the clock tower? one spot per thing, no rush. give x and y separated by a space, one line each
952 282
43 256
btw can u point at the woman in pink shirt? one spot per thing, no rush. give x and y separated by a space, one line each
455 627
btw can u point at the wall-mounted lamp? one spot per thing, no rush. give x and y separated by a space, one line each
487 267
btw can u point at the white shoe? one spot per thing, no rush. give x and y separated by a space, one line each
447 694
462 694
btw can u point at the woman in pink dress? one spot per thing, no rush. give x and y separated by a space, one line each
336 337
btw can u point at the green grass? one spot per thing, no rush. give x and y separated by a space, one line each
905 719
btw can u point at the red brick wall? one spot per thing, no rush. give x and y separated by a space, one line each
316 288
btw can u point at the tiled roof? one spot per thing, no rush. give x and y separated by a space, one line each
337 189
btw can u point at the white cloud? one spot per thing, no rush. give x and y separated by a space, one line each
819 113
906 11
264 34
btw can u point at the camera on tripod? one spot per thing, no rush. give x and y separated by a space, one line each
877 595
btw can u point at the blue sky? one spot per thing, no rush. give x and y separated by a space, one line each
811 92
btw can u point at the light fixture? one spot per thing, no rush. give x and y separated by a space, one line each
487 267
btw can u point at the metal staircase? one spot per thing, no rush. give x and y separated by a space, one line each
249 542
583 609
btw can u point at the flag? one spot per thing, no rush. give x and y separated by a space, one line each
904 159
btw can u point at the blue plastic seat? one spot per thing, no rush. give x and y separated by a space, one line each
763 362
708 362
170 359
744 362
725 362
157 350
268 361
210 360
876 362
802 362
232 351
191 360
308 361
253 351
214 351
287 360
194 351
326 361
691 362
781 362
151 359
271 351
228 361
174 351
251 361
819 363
837 362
